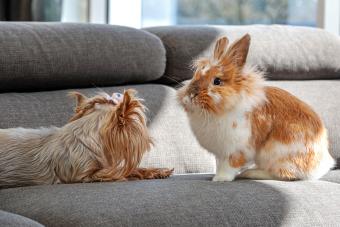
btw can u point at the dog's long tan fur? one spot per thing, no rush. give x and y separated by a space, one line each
102 142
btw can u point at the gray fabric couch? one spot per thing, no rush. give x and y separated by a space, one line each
41 62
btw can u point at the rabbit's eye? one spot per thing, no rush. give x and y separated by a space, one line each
217 81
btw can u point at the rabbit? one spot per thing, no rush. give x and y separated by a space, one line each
104 141
254 131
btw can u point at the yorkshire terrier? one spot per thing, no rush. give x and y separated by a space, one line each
104 141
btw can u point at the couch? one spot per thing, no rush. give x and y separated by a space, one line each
41 62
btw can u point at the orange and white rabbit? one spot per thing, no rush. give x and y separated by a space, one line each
243 122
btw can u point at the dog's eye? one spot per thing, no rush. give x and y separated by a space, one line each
217 81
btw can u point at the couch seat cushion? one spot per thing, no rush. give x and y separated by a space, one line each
191 200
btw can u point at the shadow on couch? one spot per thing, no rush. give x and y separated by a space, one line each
178 201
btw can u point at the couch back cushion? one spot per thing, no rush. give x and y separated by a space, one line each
43 56
175 145
283 52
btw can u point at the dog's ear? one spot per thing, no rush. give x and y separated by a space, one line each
128 96
80 98
127 105
130 92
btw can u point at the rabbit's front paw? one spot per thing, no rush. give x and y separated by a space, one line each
224 177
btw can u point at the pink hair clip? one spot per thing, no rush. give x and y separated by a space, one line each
115 98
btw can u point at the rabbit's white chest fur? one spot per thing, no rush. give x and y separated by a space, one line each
224 135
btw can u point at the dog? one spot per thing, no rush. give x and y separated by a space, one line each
104 141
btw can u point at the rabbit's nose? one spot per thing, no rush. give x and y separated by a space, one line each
193 91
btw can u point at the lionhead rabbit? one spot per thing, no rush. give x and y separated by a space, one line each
243 122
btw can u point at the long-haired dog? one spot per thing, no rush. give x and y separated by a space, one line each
104 141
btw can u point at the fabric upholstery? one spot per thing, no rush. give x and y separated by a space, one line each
284 52
175 145
10 220
179 201
332 176
41 56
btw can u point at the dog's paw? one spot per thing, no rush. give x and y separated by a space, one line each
164 173
150 173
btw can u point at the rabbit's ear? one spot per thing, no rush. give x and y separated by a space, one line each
80 98
220 48
238 52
